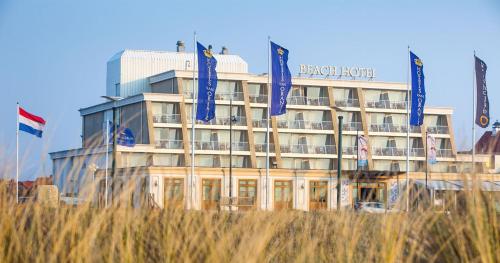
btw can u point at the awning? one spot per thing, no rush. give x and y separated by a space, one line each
440 185
488 186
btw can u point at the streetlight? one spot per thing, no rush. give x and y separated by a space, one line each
339 155
113 99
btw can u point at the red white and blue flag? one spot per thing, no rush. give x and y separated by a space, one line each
30 123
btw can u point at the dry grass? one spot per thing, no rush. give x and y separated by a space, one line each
34 233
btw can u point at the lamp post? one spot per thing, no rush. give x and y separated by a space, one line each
339 163
231 120
113 99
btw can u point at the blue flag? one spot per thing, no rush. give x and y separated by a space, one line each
124 136
417 91
282 79
207 84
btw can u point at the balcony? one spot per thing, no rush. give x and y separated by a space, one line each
352 126
444 153
220 146
347 103
167 118
313 101
169 144
259 123
237 96
393 151
240 121
438 129
262 147
315 125
308 149
387 127
386 104
258 99
350 150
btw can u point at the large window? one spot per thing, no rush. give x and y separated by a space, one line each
283 195
247 194
173 189
318 195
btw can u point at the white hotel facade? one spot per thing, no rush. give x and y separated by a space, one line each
155 90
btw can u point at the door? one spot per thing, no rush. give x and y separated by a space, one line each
173 192
211 194
247 194
283 195
318 195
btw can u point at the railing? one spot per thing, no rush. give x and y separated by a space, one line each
347 103
240 121
438 129
393 151
387 127
350 150
220 146
444 153
303 100
167 118
386 104
237 96
308 149
169 144
258 99
262 147
316 125
259 123
352 126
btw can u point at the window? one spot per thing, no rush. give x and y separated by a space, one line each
318 195
117 89
173 189
247 194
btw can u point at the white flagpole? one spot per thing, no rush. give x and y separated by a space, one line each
473 114
408 134
17 155
106 160
190 187
269 91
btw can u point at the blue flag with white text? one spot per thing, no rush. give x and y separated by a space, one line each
417 90
207 84
281 81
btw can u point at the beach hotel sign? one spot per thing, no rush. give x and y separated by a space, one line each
339 72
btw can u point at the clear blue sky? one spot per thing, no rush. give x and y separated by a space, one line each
53 53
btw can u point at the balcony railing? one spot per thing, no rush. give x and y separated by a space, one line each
447 153
303 100
438 129
315 125
167 118
386 127
308 149
169 144
347 103
237 96
393 151
350 150
386 104
259 123
258 98
239 121
352 126
220 146
261 147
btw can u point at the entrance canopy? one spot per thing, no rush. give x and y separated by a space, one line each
442 185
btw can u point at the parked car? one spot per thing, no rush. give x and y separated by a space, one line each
370 207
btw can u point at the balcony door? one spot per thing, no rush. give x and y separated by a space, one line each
283 195
247 194
211 194
173 192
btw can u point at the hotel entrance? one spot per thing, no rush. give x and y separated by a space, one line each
318 195
211 194
173 192
283 195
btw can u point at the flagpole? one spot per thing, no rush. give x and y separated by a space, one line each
473 115
17 155
107 160
426 158
269 91
408 133
190 187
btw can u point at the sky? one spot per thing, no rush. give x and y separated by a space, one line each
53 54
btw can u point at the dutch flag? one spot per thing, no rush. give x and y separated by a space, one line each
30 123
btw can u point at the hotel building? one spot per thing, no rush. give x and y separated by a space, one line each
155 100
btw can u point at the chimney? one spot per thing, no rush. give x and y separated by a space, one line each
180 46
224 51
496 128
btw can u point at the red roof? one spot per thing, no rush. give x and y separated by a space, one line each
488 143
